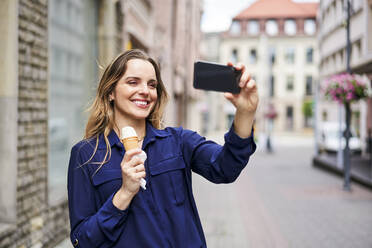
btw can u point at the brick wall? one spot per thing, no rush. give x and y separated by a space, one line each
38 224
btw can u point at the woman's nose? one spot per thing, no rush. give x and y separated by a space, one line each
144 89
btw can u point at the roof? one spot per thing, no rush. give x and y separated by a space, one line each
267 9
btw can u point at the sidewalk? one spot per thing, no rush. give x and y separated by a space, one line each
281 201
360 167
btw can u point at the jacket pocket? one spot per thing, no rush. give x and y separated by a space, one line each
105 175
168 178
107 181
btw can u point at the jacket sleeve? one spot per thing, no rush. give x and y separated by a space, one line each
218 164
91 225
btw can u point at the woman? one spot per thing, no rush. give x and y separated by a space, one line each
107 206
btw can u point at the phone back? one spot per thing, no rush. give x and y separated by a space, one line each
216 77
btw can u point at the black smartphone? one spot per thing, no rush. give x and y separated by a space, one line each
216 77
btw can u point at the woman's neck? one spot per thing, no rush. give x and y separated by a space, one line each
138 125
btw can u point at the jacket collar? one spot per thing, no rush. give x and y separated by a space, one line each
112 138
151 135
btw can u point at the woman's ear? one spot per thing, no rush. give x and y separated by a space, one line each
111 97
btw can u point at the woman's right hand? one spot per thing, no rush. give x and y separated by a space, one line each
132 170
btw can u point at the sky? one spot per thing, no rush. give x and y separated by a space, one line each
218 13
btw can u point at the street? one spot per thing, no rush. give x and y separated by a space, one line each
281 200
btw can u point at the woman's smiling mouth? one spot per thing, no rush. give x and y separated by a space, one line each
141 103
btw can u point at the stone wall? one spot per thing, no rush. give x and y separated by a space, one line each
37 223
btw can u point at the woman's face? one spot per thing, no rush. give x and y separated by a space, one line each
135 93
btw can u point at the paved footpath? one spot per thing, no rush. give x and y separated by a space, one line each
280 200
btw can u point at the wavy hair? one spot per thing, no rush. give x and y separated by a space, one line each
101 118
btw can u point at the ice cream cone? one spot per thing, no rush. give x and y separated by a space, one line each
130 143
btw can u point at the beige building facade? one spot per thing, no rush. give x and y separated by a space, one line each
213 119
138 23
332 52
169 30
51 52
276 41
287 83
177 37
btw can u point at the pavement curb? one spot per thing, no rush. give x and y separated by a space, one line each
355 175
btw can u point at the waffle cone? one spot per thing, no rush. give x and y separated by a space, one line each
130 143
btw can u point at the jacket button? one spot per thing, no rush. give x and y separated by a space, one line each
76 242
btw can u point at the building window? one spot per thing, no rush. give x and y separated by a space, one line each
290 55
309 85
230 119
205 125
253 27
253 56
234 55
70 14
272 86
290 83
309 55
57 8
235 28
272 54
271 27
290 27
69 88
119 24
307 109
324 116
289 118
309 26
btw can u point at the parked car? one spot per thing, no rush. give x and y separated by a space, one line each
330 134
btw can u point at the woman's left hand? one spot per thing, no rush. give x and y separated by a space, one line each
247 100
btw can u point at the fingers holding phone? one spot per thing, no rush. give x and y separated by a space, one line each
216 77
234 79
247 99
245 75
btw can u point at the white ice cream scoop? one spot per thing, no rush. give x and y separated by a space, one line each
127 132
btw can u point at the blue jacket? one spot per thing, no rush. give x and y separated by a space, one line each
163 215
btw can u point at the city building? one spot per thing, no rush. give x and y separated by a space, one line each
138 22
51 54
177 38
27 219
332 52
276 40
211 105
51 58
169 30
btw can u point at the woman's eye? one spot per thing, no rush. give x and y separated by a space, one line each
153 85
132 82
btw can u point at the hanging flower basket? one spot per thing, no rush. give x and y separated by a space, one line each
346 88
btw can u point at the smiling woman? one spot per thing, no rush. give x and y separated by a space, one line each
107 206
135 93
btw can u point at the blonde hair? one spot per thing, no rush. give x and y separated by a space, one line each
101 118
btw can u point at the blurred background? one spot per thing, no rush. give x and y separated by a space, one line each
52 54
